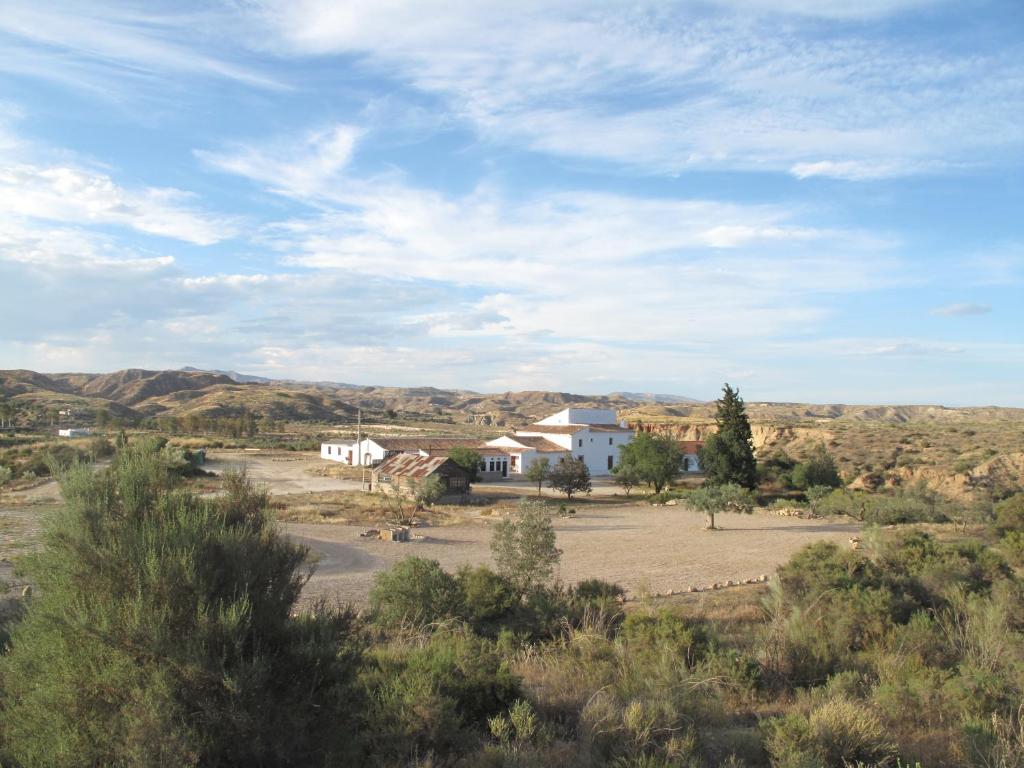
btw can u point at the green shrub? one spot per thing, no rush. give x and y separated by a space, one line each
5 474
430 697
162 633
664 632
1010 514
415 591
100 448
838 732
819 470
488 600
598 595
1012 544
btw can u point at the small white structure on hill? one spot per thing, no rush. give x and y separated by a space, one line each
74 432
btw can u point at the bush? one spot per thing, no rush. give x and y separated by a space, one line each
415 591
597 594
488 600
1012 543
425 697
664 632
162 633
5 474
819 470
100 448
838 732
1010 514
913 505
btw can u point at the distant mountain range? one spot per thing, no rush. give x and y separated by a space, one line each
648 397
142 393
136 393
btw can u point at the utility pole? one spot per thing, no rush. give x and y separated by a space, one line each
359 448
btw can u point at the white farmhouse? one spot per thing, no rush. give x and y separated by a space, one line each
590 434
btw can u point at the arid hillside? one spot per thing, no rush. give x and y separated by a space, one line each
952 449
139 393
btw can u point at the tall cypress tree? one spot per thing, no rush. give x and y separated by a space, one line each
728 455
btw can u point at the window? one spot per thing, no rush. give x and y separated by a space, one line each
328 450
581 442
609 441
483 465
611 461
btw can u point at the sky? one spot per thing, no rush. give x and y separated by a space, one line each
814 200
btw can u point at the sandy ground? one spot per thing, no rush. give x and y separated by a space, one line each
21 516
283 472
643 548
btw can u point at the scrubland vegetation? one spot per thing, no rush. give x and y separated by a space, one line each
163 630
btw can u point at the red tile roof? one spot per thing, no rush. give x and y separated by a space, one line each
541 444
572 429
690 446
425 443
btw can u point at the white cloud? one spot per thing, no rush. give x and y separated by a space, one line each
75 195
588 266
962 310
673 87
97 45
305 169
832 9
855 170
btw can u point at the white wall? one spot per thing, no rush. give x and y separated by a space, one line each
335 451
581 416
371 452
597 447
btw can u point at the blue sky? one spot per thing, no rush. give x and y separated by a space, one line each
815 200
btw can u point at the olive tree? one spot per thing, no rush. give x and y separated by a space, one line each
652 459
524 546
713 499
538 472
570 475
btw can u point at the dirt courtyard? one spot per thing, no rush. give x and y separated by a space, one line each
643 548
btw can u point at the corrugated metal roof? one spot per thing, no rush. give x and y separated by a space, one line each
412 465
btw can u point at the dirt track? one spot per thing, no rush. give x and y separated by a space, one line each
638 546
